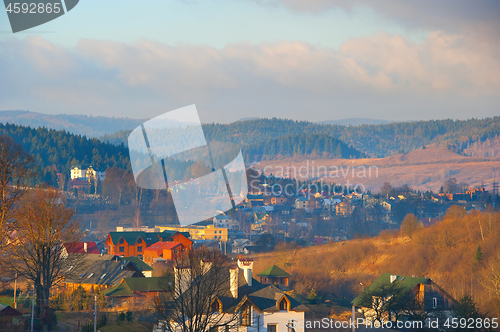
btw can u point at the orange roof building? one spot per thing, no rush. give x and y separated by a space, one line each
165 250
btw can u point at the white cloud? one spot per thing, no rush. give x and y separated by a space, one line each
380 72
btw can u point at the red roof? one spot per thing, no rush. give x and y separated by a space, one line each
79 248
159 246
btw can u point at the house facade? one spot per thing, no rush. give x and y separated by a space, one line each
134 243
77 172
224 221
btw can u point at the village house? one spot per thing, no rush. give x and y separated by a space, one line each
166 250
11 319
253 200
224 221
275 276
344 209
132 292
98 272
129 243
77 172
276 200
414 294
195 232
134 243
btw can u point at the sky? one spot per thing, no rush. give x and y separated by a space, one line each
310 60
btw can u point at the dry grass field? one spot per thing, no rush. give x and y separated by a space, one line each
424 169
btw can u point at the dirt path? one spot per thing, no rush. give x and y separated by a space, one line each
65 327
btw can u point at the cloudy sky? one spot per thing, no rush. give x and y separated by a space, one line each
300 59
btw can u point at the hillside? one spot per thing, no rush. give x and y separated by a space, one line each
445 252
423 169
56 151
381 140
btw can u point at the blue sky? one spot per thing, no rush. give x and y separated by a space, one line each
307 60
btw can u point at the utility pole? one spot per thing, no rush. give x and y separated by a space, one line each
95 313
15 290
33 310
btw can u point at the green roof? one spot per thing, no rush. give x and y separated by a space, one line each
250 196
121 289
403 283
139 264
131 285
132 237
167 234
273 271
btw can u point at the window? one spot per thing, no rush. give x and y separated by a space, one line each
139 249
121 249
434 302
271 328
283 305
215 307
246 318
122 241
140 240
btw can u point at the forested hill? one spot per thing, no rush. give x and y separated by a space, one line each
56 151
313 145
373 140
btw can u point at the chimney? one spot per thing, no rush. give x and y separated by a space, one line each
182 280
233 279
393 278
246 265
84 246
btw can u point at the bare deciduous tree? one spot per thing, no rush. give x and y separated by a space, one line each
199 293
411 225
44 225
16 168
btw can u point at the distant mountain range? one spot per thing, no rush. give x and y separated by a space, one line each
355 122
90 126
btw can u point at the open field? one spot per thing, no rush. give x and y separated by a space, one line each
424 169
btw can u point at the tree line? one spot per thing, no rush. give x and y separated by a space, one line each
378 140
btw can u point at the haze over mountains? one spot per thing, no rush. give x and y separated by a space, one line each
354 122
90 126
